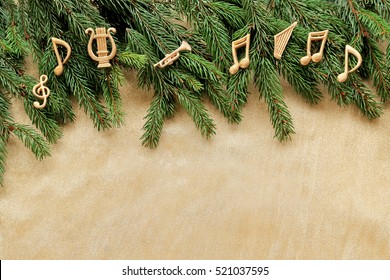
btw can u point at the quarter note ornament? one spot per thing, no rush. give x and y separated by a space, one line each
281 40
317 57
244 63
344 76
60 68
173 56
101 37
41 92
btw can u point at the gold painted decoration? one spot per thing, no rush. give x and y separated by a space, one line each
317 57
350 50
244 63
172 57
56 42
42 92
101 37
281 40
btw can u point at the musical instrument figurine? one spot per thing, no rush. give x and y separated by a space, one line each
281 40
60 68
344 76
244 63
102 53
41 92
172 57
317 57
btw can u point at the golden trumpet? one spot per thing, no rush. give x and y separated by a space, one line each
172 57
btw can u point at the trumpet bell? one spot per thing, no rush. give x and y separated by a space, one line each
185 47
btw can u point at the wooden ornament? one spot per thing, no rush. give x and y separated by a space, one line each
244 63
281 40
41 92
317 57
344 76
101 38
60 68
172 57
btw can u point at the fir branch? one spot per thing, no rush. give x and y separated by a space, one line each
110 86
197 111
160 108
3 157
268 83
82 89
131 60
237 90
32 140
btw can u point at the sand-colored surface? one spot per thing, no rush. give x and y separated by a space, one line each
240 195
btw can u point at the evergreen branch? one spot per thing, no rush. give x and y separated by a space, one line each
197 111
82 89
112 96
267 81
365 100
43 122
216 36
131 60
220 100
237 90
3 157
32 140
160 108
201 67
9 80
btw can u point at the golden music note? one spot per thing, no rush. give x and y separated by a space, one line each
244 63
41 92
60 68
317 57
344 76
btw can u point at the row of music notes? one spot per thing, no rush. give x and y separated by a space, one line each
281 41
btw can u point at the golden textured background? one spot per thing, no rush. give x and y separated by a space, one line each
240 195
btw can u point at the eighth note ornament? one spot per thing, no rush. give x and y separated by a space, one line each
41 92
317 57
60 68
344 76
244 63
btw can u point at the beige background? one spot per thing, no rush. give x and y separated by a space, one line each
240 195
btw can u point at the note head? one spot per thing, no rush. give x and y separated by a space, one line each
305 60
342 77
244 63
317 57
58 70
234 69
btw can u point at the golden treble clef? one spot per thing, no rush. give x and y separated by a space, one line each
41 92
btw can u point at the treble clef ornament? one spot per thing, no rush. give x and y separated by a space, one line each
101 37
41 92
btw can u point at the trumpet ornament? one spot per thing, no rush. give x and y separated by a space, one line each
172 57
101 37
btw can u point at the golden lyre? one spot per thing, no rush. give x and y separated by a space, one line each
60 68
344 76
172 57
102 53
41 92
244 63
281 40
317 57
